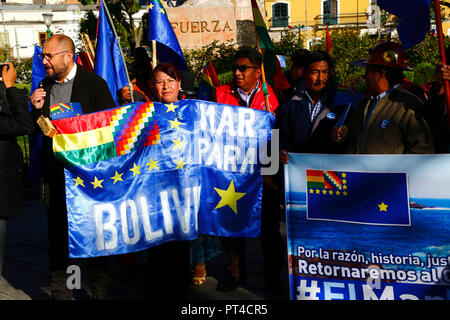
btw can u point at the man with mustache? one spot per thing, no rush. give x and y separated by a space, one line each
305 122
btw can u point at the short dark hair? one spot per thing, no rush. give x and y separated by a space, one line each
299 57
251 54
316 56
393 75
169 69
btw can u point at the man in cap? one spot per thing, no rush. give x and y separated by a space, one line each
390 121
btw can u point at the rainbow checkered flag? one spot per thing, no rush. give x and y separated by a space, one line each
143 174
208 83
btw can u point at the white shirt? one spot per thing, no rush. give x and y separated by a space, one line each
71 74
246 97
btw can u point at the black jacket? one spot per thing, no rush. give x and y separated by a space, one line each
15 120
92 92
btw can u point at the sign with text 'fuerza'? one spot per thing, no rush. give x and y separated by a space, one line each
146 173
368 227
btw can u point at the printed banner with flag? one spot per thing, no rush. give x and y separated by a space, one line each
208 82
415 19
159 29
108 58
334 196
147 173
274 74
368 227
65 110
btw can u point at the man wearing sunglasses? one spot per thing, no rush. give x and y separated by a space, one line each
246 90
65 82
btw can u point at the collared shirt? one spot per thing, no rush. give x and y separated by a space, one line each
247 98
374 101
71 74
307 102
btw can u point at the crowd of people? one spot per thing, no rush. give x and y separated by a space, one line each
314 115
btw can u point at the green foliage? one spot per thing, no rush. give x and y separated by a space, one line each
220 54
423 73
288 44
426 51
347 47
23 70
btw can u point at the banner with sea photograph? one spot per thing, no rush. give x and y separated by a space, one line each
368 227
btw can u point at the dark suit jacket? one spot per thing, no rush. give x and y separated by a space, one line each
396 126
14 121
92 92
298 134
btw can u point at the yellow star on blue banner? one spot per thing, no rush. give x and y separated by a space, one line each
229 197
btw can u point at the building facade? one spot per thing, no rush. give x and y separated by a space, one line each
304 15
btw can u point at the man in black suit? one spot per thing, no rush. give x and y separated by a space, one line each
66 82
15 120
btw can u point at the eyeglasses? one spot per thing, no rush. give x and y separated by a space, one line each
49 56
242 67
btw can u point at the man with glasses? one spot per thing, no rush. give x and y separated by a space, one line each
65 82
246 90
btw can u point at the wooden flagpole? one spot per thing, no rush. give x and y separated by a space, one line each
440 34
263 74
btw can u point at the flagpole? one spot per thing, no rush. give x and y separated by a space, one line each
263 74
440 33
120 49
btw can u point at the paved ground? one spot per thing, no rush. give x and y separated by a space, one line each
27 276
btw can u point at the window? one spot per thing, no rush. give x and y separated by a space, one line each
42 38
329 12
280 17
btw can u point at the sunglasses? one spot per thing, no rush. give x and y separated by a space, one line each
242 67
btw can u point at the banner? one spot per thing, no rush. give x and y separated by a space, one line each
146 173
368 227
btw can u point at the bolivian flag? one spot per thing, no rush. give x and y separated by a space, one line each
103 135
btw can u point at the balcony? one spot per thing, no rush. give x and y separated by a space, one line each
343 19
279 22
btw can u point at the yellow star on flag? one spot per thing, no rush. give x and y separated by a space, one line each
178 144
78 182
174 123
161 10
151 6
136 169
324 191
180 164
343 174
229 197
171 107
97 183
152 165
383 207
117 177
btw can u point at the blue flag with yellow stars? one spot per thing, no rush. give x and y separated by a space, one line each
159 29
146 173
335 196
